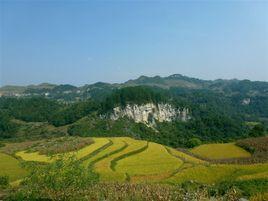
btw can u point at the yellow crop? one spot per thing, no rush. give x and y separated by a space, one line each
154 160
35 156
185 157
103 167
10 167
220 151
118 143
124 158
210 174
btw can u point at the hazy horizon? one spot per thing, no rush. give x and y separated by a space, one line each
125 81
88 41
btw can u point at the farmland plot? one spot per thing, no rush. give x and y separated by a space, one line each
10 167
155 160
220 151
106 167
90 149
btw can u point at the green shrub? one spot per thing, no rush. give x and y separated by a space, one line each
247 187
4 181
64 179
193 142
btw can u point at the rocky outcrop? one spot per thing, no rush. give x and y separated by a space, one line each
150 112
246 101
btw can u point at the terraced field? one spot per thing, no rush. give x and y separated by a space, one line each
127 159
106 167
84 152
220 151
153 163
210 174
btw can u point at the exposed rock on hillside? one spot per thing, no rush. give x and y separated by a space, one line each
150 112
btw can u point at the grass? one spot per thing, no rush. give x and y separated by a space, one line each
10 167
220 151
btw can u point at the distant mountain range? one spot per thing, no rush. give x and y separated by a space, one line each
66 92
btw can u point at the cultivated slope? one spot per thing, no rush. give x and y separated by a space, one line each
127 159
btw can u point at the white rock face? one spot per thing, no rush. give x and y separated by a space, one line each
148 113
246 101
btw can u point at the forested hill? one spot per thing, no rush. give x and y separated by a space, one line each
99 91
214 115
219 110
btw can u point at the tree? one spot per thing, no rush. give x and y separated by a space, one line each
193 142
7 127
257 131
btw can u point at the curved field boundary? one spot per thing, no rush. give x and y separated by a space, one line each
92 163
97 151
159 177
153 164
214 173
185 157
184 166
103 167
115 160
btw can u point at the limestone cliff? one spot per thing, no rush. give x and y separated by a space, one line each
150 112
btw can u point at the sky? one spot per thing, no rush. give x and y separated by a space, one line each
80 42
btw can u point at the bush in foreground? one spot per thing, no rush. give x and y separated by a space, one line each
64 179
4 181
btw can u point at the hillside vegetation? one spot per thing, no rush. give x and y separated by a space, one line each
219 110
211 118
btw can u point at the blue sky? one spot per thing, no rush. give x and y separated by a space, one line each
80 42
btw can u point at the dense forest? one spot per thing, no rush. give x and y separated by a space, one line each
215 117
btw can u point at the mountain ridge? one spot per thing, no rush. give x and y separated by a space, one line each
69 92
176 75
